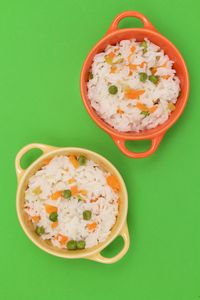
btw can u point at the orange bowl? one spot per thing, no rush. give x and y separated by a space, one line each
113 36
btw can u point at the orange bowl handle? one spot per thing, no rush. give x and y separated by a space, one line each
110 260
130 13
154 145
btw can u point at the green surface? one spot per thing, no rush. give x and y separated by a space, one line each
43 46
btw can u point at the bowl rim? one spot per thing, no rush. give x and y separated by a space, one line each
89 252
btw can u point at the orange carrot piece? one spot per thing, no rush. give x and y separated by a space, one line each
93 200
83 192
133 94
74 190
132 49
132 67
142 64
74 161
50 208
153 108
54 224
36 219
113 69
111 54
113 182
71 180
62 239
92 226
165 76
142 106
153 70
56 195
120 111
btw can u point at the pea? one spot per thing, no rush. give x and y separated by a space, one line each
82 160
87 214
154 79
143 77
72 245
53 217
145 113
113 89
80 244
67 194
39 230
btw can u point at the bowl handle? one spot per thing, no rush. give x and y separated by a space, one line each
19 170
130 13
105 260
154 145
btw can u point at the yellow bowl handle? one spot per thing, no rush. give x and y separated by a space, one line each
105 260
44 148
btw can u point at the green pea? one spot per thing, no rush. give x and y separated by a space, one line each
53 217
39 230
154 79
145 113
82 160
144 46
113 89
80 244
71 245
87 214
67 194
143 77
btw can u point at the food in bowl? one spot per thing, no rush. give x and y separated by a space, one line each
72 202
132 85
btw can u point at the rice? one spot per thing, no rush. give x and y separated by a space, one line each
72 201
133 86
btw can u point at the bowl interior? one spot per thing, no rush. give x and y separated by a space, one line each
27 225
169 49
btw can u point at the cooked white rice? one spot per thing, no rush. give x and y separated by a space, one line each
93 189
139 103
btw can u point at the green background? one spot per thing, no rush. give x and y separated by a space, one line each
43 46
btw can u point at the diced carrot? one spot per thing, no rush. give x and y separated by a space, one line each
92 226
93 200
71 180
113 182
56 195
153 70
47 161
153 108
132 67
165 76
74 161
50 208
83 192
129 57
62 239
142 106
111 54
54 224
130 73
113 69
120 111
132 49
36 219
142 64
171 106
133 94
74 190
37 190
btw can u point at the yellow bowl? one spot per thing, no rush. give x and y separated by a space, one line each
93 253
